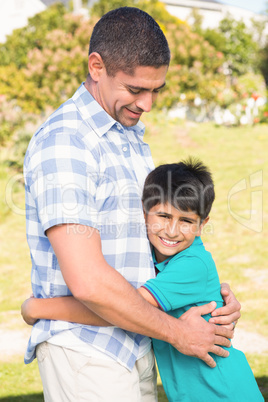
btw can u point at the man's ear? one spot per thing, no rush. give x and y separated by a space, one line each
96 66
204 222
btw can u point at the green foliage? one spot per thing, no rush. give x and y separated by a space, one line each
196 20
102 7
11 118
52 68
42 65
250 84
264 63
17 45
236 42
240 47
153 7
194 63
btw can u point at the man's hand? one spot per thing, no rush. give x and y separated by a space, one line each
199 338
229 314
26 311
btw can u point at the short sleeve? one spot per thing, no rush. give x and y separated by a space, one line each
183 282
62 178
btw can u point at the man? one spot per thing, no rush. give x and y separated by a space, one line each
84 170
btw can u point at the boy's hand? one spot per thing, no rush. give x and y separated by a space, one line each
199 338
229 314
26 311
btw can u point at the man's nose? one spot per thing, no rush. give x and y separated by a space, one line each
145 101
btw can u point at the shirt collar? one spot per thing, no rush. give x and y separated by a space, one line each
98 119
160 265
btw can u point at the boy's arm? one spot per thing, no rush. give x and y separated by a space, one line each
60 308
67 309
147 296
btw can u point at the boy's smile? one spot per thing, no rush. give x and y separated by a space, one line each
171 230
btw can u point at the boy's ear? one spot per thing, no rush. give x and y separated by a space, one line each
205 221
95 66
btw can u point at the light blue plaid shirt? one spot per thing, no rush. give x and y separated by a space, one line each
78 169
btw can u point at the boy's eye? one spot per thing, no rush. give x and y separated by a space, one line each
186 221
164 216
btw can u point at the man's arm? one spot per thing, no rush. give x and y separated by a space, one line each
104 291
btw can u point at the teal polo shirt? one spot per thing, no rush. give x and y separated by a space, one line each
185 280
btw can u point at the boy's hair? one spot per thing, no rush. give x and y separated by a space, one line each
187 185
128 37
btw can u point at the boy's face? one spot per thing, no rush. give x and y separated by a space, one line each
171 230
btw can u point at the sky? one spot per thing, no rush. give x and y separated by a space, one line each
257 6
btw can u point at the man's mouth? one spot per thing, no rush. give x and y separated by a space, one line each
135 114
169 243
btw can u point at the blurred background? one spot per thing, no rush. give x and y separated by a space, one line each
214 106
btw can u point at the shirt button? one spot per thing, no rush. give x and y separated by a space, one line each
125 149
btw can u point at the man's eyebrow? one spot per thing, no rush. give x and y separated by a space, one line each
145 89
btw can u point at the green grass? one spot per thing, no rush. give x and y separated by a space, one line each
233 154
20 382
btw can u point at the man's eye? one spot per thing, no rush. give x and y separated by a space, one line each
134 92
164 216
186 221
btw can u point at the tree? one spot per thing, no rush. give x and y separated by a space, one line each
153 7
51 60
240 48
17 45
264 63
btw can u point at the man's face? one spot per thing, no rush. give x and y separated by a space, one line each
125 97
171 230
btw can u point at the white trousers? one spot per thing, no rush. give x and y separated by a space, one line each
68 376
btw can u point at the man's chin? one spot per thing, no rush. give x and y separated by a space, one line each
128 122
128 118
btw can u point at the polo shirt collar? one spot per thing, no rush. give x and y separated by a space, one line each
95 116
160 266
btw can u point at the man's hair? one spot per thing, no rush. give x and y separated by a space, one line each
128 37
187 185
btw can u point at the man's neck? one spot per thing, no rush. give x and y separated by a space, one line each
89 85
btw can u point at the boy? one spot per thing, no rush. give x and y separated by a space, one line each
177 199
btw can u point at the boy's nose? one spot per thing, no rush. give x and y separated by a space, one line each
172 230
